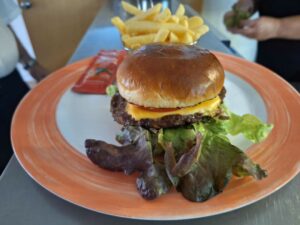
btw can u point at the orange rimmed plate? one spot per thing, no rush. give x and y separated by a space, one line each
51 123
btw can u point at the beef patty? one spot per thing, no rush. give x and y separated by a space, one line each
118 110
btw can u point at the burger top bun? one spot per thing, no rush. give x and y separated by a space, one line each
170 76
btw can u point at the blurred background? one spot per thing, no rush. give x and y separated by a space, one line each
51 30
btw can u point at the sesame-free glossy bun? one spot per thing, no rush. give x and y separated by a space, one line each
170 76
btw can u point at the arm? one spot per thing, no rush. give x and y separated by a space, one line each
35 69
265 28
289 28
24 56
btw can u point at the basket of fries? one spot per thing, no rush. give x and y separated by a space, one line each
158 25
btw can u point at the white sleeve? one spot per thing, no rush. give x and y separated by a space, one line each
9 10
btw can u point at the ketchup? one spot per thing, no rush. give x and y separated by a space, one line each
100 73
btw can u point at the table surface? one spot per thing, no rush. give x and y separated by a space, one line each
23 201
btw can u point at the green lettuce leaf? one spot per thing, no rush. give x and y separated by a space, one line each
182 139
249 125
217 163
111 90
214 126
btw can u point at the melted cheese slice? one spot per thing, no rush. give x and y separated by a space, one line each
207 108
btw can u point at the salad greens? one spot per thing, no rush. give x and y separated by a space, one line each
249 125
153 182
205 169
111 90
217 163
134 156
198 160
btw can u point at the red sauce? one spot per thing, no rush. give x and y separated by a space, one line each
100 73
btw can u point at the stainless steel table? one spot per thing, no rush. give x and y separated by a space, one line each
22 201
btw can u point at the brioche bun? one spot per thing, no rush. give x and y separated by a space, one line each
170 76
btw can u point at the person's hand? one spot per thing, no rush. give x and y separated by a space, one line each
261 29
245 6
38 72
241 10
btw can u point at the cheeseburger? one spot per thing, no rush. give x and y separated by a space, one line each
169 99
167 86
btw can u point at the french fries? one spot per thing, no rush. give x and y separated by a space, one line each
150 13
180 10
200 31
117 22
184 21
157 25
173 19
161 35
130 8
194 22
141 27
137 41
163 16
187 38
173 38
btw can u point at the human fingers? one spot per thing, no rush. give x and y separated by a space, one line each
228 19
234 30
249 23
249 32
